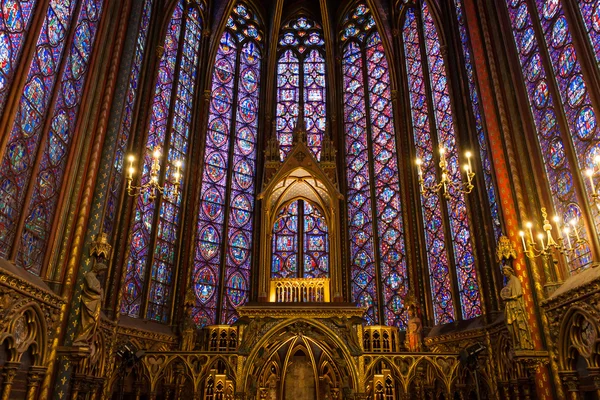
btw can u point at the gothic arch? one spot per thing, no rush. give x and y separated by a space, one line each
275 337
579 335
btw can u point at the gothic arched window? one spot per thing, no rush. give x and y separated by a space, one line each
590 12
156 222
564 115
446 224
223 256
301 81
300 242
377 251
41 132
484 155
116 179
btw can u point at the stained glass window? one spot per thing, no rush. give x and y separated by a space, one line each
300 242
225 217
555 47
116 179
377 252
484 154
301 82
448 238
35 159
590 11
15 18
152 250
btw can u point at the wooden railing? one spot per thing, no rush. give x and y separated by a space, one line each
299 290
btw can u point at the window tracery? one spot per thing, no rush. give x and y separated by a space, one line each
560 104
33 165
223 247
301 73
428 90
377 251
154 232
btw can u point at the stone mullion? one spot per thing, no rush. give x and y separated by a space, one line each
411 196
190 203
507 174
434 136
478 207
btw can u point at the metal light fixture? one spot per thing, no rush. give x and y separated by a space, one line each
152 186
592 174
446 183
547 243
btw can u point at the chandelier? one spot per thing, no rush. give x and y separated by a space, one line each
592 173
446 182
152 187
547 243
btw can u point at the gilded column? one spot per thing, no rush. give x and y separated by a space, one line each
9 372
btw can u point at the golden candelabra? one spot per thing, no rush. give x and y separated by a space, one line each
152 186
592 174
547 243
446 182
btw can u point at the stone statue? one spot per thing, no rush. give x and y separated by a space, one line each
414 331
514 311
91 304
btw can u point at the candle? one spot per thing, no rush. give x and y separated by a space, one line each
419 163
556 220
541 237
574 224
522 234
590 173
529 225
468 154
567 234
597 160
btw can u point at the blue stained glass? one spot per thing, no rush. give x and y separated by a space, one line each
375 223
232 122
15 20
25 134
139 252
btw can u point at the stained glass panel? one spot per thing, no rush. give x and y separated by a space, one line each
26 132
468 286
437 252
15 17
544 111
56 146
145 207
372 160
573 89
116 179
169 218
301 69
315 243
590 12
224 228
486 162
284 262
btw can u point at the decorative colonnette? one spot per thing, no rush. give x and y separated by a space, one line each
503 178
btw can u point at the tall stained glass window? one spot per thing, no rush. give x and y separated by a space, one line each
222 258
15 18
484 154
560 104
301 82
300 242
152 253
590 12
42 131
377 251
447 232
116 179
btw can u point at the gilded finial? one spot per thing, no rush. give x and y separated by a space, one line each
505 249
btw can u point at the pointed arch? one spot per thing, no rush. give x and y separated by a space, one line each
152 252
377 250
222 257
